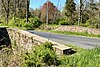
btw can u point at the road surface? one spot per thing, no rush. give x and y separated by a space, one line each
84 42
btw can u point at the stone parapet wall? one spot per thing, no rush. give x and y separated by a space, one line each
28 40
24 38
78 29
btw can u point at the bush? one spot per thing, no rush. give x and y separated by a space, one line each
92 22
88 58
36 22
21 23
42 55
63 22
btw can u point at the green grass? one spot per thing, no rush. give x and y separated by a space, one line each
86 58
8 26
76 48
53 25
82 57
72 33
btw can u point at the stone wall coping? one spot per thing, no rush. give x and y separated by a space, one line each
3 27
61 47
39 38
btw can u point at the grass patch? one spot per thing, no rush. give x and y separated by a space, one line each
82 58
72 33
86 58
44 56
75 48
53 25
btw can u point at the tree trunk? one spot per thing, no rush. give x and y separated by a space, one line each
7 12
80 12
27 10
81 4
99 16
6 9
79 17
47 14
7 16
14 11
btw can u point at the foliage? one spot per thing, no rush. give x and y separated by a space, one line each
42 55
70 9
36 22
76 48
21 23
72 33
48 27
70 13
87 58
36 12
63 22
92 23
52 12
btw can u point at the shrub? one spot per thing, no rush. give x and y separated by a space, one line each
63 22
42 55
36 22
33 23
92 22
88 58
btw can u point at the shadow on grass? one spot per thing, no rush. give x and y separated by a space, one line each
69 52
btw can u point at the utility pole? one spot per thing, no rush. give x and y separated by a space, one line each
14 11
47 14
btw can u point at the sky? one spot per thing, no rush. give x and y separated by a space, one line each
38 3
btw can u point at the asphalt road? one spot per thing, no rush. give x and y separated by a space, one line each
84 42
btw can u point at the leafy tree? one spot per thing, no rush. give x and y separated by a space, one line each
80 12
93 8
92 12
70 9
6 7
52 9
37 12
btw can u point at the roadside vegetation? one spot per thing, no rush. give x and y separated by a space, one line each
43 56
18 14
21 23
70 33
87 58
